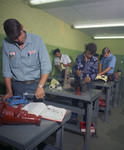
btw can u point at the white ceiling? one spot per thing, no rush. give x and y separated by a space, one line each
89 11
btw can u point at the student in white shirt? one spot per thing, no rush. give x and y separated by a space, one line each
61 61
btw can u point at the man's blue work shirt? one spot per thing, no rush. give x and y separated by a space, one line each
109 61
26 64
89 68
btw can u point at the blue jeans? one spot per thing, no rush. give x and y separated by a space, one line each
19 88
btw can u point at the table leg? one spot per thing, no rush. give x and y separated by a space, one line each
96 111
59 138
121 88
116 94
108 104
122 82
88 126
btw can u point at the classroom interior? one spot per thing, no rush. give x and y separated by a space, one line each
57 34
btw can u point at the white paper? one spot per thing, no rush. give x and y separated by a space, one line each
47 112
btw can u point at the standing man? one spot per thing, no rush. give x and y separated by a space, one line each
26 63
61 61
85 70
107 64
86 64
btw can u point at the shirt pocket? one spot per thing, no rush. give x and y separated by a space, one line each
33 59
14 62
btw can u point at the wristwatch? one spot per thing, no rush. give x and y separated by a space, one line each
40 85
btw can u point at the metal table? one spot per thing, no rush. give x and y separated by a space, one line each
108 95
27 137
92 107
121 86
118 90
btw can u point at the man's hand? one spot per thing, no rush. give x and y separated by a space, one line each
40 93
104 71
6 96
79 72
65 65
87 79
62 63
99 74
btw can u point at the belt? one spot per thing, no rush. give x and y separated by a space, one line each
27 82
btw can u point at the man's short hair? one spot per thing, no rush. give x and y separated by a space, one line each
92 48
12 28
96 55
105 50
56 51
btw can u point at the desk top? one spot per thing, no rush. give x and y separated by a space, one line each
26 137
89 97
103 84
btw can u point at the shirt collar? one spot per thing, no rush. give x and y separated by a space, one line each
110 55
83 56
28 38
62 56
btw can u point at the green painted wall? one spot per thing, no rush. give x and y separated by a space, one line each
117 48
116 45
54 32
1 39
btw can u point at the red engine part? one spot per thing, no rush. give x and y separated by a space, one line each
11 115
116 75
78 91
102 102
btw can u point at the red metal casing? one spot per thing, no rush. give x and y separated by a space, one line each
11 115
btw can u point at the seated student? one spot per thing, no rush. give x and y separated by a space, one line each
61 61
107 63
86 64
